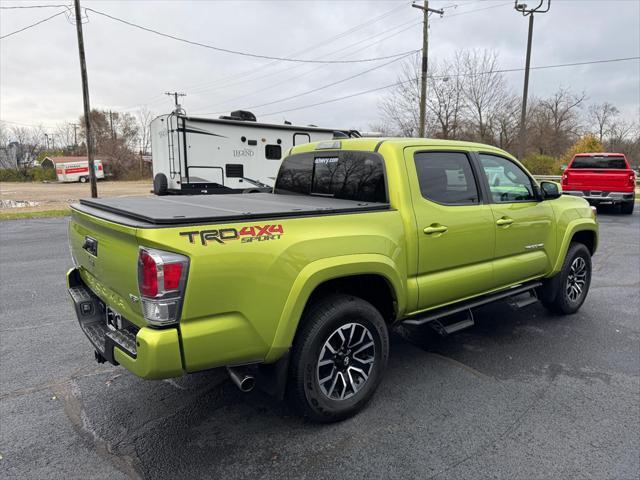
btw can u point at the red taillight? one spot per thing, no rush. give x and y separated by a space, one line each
148 275
172 276
565 178
632 179
161 281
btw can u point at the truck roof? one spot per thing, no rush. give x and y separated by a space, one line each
599 154
374 144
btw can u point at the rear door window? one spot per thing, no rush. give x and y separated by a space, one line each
347 175
446 177
599 161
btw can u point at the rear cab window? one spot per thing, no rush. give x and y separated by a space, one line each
347 175
613 162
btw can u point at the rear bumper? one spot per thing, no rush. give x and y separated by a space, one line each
146 352
596 197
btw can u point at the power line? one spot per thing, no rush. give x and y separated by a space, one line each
216 84
288 79
237 52
33 25
507 70
291 78
478 9
337 82
34 6
204 86
411 22
26 124
309 48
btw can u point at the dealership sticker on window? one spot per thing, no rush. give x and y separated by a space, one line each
325 160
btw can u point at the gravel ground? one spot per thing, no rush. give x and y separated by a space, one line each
58 196
522 395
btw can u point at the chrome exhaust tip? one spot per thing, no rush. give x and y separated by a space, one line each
244 381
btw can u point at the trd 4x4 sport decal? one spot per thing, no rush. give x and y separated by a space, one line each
246 234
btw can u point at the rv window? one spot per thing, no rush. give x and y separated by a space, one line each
273 152
347 175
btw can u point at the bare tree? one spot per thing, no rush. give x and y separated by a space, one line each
445 102
484 90
507 123
7 157
144 117
66 136
401 108
30 142
620 132
4 135
601 117
555 121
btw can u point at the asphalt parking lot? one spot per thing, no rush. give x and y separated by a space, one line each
523 394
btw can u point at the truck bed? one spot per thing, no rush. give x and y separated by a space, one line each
152 211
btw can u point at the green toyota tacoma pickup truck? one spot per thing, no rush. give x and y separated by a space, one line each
296 290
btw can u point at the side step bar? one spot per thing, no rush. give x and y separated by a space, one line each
453 323
469 304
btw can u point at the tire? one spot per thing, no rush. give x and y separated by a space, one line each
627 207
319 378
160 184
83 179
565 293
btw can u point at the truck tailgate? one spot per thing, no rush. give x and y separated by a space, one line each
106 254
597 179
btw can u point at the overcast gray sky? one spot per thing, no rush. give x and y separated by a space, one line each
129 68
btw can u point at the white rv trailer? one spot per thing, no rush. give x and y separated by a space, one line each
230 154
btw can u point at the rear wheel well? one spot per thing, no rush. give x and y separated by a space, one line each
375 289
587 238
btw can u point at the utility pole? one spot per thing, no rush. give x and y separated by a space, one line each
85 98
175 95
425 61
75 133
523 8
111 124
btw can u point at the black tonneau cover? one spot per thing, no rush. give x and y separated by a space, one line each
180 210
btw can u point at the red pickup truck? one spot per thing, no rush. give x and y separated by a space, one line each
601 178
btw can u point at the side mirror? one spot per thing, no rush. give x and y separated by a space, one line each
563 167
550 190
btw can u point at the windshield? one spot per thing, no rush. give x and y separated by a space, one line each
598 161
345 175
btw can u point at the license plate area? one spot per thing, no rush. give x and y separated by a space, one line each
113 319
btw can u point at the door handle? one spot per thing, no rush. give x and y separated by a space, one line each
435 228
504 221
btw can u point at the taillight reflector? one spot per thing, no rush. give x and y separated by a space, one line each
172 275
